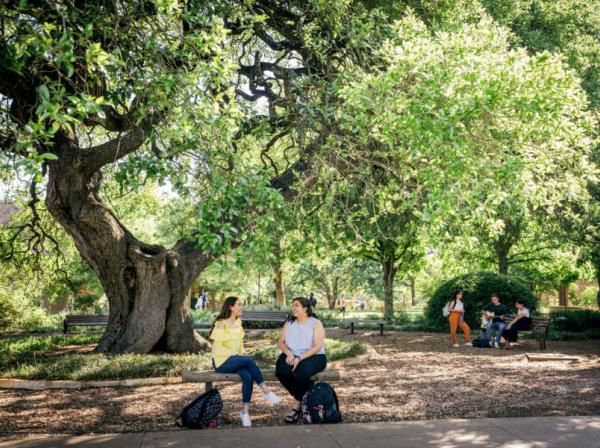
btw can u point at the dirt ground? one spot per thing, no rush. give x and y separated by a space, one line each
403 376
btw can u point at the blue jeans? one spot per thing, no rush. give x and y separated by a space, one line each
245 367
498 326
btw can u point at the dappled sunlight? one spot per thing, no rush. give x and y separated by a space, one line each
400 377
460 437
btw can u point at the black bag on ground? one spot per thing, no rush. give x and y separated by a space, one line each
481 341
320 404
199 413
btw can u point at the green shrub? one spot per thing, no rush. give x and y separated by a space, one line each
576 321
477 289
19 312
588 298
401 317
555 335
39 320
8 314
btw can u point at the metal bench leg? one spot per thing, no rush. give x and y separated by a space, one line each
380 329
65 328
351 327
208 386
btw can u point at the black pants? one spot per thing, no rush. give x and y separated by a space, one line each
298 381
512 334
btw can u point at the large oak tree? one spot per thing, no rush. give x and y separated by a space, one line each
229 102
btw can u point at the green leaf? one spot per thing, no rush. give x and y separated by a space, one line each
43 92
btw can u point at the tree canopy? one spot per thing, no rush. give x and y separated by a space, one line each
379 127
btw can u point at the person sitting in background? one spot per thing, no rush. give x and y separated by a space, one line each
498 311
521 322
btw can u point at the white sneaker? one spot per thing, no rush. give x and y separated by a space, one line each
496 345
455 345
272 398
246 422
491 344
468 344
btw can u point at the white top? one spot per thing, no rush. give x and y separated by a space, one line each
523 312
458 306
300 337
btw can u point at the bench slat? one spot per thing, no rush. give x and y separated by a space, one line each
209 376
82 320
87 318
378 322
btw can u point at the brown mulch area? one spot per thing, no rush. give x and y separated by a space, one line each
403 376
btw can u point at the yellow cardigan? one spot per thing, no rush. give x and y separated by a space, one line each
227 341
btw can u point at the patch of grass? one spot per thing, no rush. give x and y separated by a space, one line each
104 367
19 349
335 349
33 358
36 358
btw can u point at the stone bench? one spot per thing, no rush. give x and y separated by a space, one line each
208 377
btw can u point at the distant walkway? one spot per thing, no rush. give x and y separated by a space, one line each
534 432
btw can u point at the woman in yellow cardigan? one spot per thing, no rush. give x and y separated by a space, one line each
227 335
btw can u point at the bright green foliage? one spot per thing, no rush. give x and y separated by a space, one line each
439 123
477 289
568 27
588 297
461 111
455 124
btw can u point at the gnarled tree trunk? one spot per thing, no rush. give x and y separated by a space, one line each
148 286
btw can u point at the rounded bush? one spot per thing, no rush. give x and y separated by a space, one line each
477 289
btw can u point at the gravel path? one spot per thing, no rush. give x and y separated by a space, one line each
403 376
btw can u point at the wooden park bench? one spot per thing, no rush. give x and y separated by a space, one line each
353 322
255 316
264 316
89 320
539 328
208 377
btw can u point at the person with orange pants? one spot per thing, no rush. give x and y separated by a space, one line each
456 319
